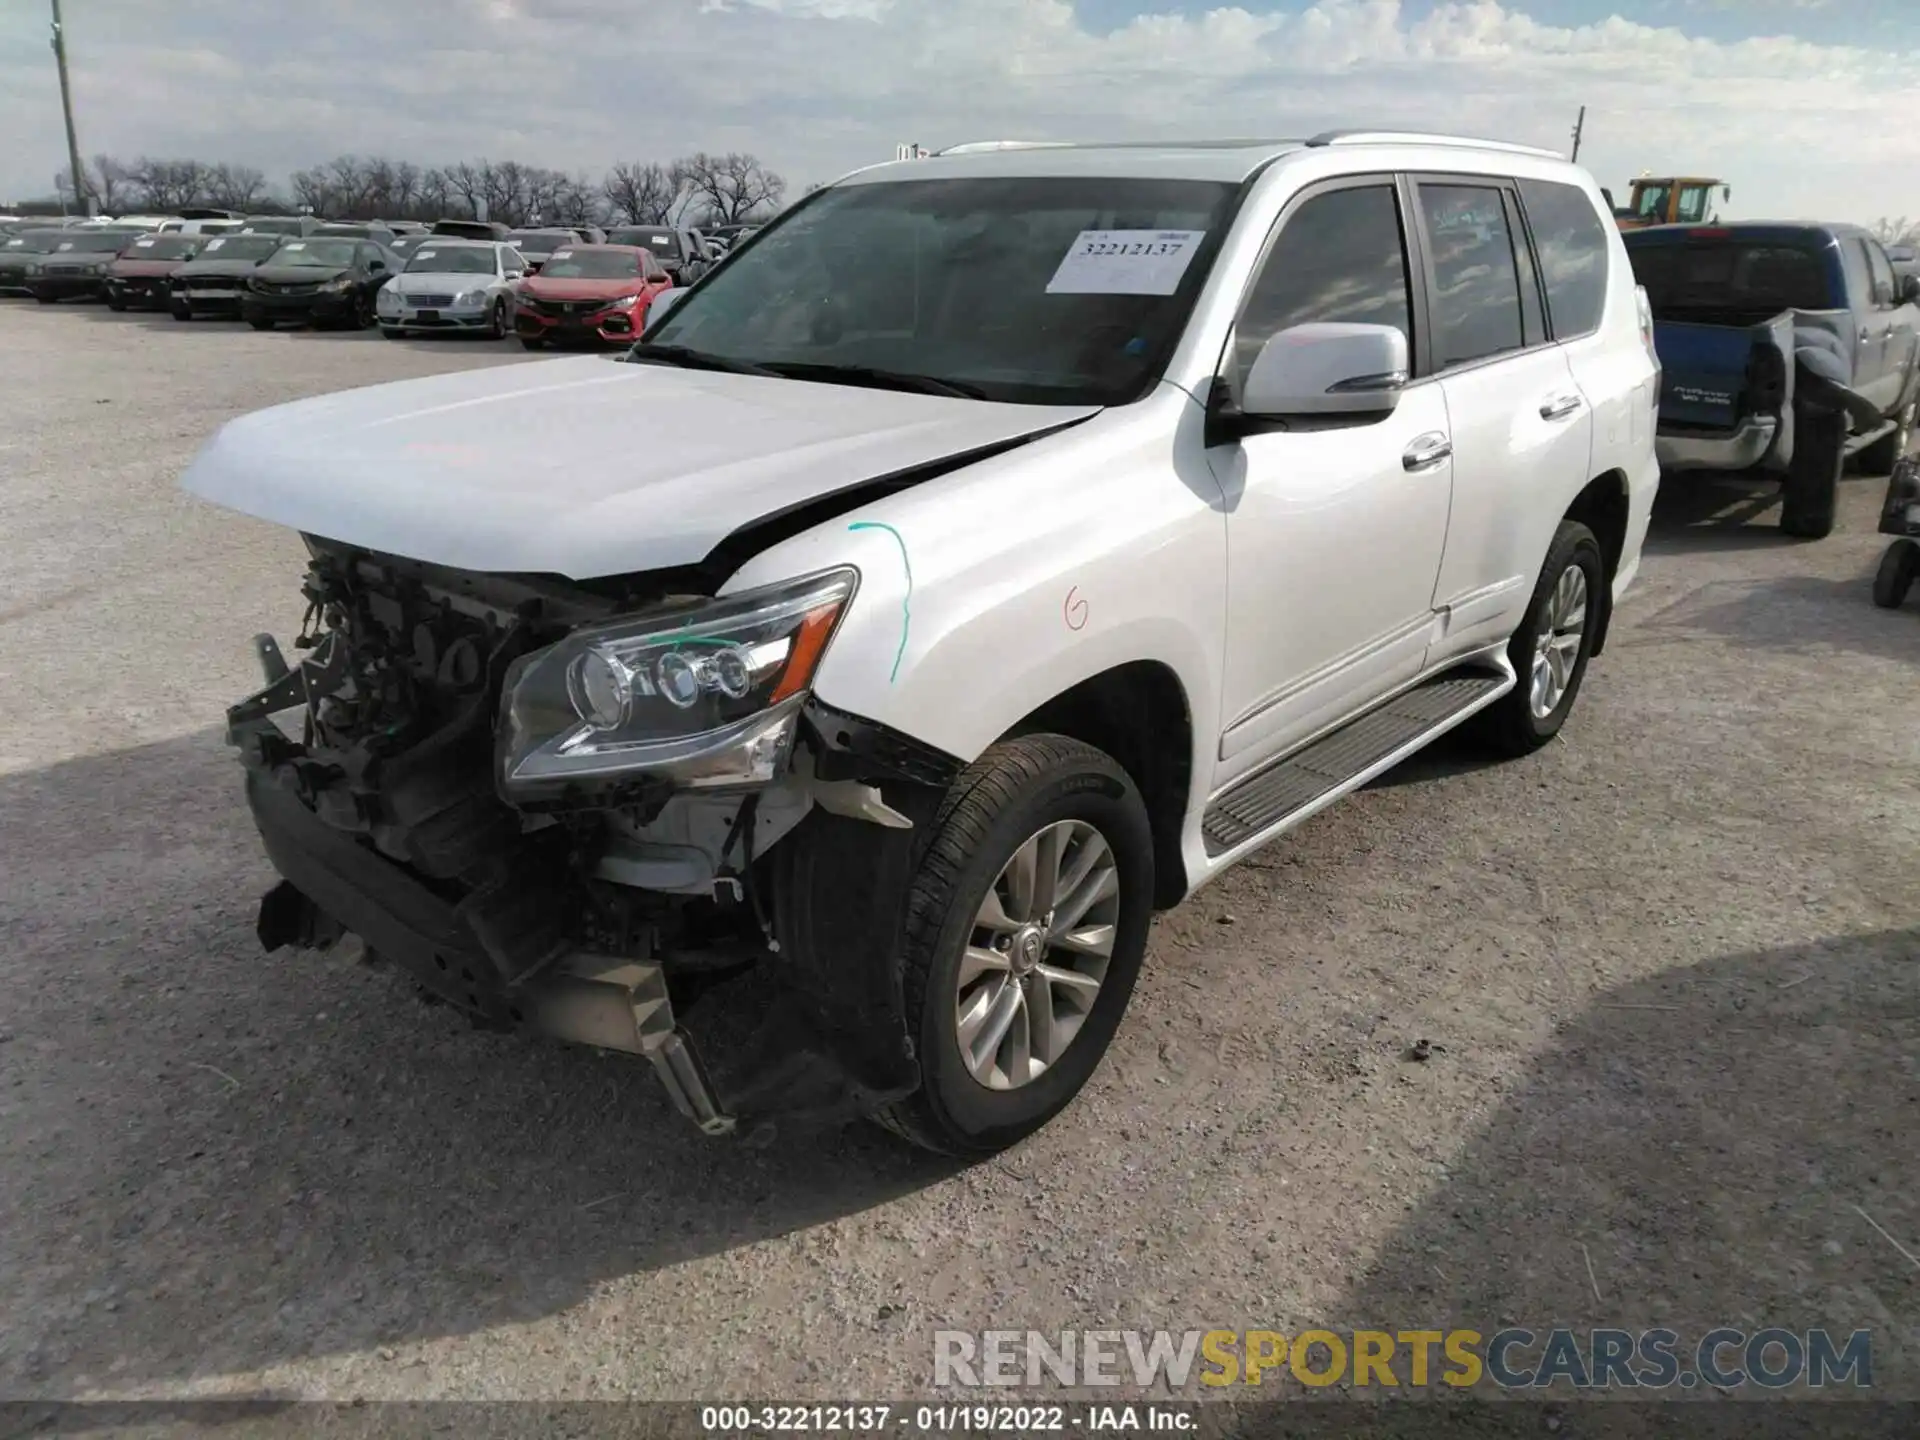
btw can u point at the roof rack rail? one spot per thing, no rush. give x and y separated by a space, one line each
973 147
1422 137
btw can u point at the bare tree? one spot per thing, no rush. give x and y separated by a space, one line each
729 188
114 183
466 187
170 184
235 187
1895 232
642 194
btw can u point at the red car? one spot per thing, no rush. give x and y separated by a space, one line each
142 276
588 293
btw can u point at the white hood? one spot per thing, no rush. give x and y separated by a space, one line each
580 467
438 282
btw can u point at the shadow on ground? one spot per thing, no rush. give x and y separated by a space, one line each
1705 511
215 1160
1713 1141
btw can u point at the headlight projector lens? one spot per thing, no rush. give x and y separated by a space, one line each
600 691
679 680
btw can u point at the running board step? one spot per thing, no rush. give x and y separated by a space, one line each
1349 757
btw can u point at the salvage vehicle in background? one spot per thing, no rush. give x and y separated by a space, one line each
1785 349
678 249
374 230
589 294
537 244
328 284
450 285
20 251
141 277
894 646
77 265
293 226
470 229
213 281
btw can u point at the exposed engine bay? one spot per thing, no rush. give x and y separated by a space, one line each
553 862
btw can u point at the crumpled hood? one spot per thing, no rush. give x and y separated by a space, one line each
580 468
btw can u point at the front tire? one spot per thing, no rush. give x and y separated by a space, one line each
1899 568
1811 494
1550 650
1026 925
497 326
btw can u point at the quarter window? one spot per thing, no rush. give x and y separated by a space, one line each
1340 257
1572 246
1476 283
1882 271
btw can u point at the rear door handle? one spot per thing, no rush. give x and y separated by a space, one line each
1560 407
1427 451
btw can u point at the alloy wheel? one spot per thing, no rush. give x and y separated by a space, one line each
1037 955
1556 649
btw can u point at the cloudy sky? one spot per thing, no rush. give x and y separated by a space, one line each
1805 106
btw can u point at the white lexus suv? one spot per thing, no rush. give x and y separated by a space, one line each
983 556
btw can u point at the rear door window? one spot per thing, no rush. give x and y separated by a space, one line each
1882 271
1571 242
1476 280
1761 277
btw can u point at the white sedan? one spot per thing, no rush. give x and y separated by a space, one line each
451 284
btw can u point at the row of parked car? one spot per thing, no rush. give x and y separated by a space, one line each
545 285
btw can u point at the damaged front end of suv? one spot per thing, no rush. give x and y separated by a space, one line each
579 807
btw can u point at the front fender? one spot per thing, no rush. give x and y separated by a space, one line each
990 591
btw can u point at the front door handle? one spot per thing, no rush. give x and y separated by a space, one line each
1427 451
1560 407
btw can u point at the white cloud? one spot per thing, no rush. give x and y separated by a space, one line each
820 86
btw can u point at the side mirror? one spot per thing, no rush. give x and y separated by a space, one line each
663 302
1327 369
376 265
1910 289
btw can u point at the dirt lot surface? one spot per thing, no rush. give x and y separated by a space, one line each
1666 970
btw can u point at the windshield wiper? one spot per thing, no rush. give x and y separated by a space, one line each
692 359
878 378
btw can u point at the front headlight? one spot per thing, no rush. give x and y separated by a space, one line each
700 698
387 299
36 268
625 302
467 299
339 282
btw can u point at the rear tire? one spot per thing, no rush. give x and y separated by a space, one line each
1880 457
1003 804
1811 494
1550 650
1899 568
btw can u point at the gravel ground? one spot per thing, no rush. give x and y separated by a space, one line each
1666 969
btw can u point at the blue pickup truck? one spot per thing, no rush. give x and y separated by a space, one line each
1785 350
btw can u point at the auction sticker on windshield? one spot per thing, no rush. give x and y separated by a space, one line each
1125 262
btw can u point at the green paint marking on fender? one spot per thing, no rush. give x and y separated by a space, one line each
906 601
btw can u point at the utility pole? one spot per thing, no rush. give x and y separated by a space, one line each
1578 126
78 174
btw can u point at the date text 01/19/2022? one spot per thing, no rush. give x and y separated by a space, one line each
947 1419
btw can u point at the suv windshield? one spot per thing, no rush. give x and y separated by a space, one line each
334 254
592 265
241 247
1042 290
453 259
1731 275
